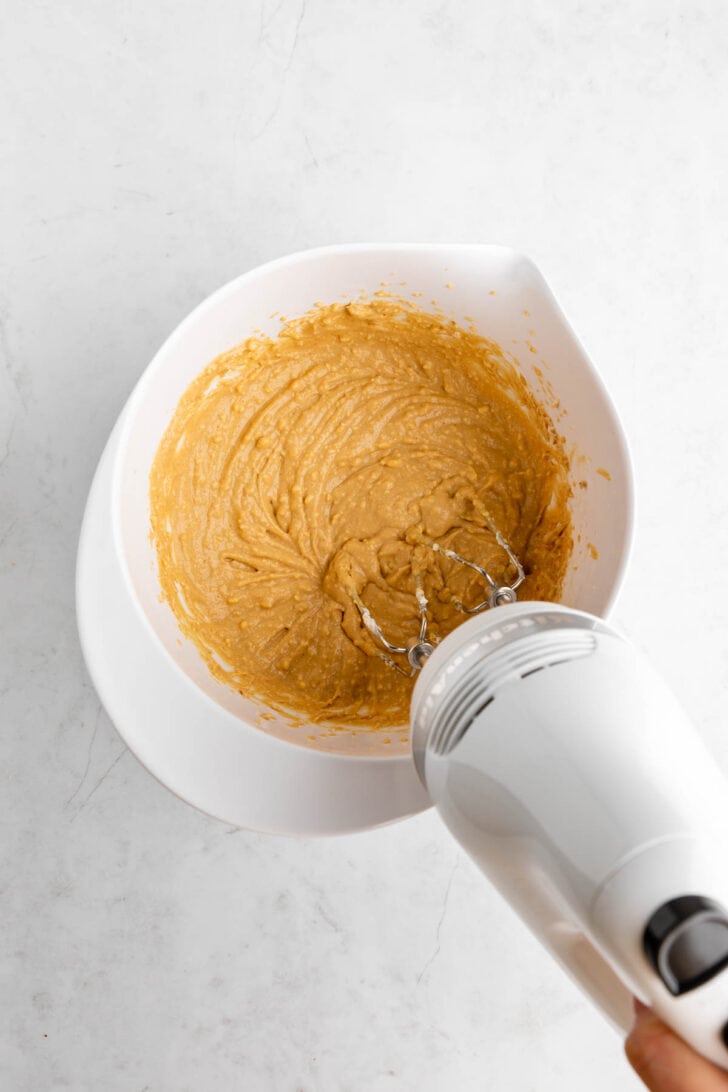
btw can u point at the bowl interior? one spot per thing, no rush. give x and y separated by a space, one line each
504 295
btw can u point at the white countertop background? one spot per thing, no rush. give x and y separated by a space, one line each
152 151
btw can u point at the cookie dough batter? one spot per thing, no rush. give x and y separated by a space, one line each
300 468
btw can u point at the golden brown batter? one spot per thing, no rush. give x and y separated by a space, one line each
300 468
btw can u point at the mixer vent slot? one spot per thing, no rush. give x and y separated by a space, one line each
478 686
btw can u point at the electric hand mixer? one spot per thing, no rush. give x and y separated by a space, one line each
554 754
564 766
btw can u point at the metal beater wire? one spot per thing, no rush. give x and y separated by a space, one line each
418 649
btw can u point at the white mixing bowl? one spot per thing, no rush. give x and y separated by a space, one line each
228 755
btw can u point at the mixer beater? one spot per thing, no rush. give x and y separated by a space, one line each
418 649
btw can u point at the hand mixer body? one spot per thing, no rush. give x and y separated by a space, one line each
565 767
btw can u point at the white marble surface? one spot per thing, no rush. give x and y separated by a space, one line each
149 153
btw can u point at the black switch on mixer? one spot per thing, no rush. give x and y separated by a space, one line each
686 942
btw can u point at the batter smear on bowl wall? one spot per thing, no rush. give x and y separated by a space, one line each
304 473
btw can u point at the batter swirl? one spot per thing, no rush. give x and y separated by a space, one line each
300 468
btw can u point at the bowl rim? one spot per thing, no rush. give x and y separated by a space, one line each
231 287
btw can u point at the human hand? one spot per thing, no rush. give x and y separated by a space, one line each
665 1062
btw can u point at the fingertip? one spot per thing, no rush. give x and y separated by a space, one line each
664 1062
647 1042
